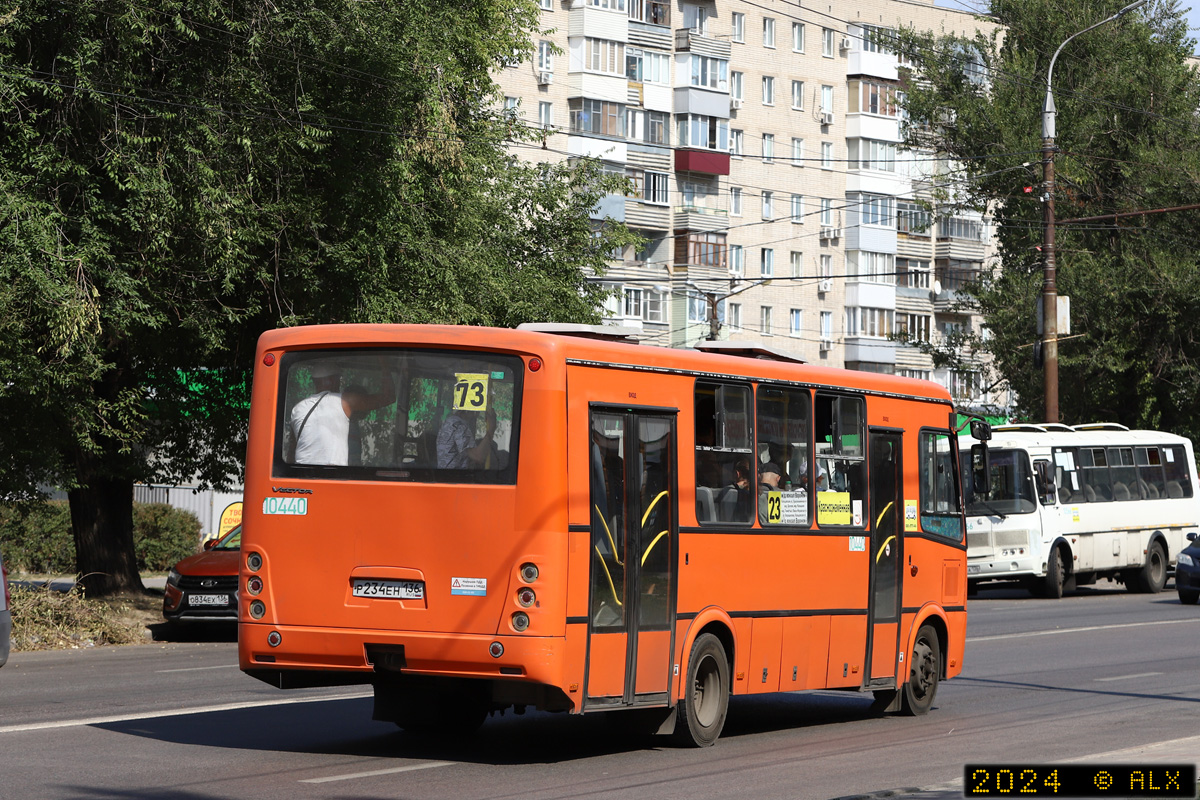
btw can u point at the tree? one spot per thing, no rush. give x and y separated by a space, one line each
177 177
1127 140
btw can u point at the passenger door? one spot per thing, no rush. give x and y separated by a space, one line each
887 556
633 574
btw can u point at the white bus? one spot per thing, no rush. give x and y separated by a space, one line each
1067 505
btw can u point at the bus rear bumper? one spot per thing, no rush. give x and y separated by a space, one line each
355 656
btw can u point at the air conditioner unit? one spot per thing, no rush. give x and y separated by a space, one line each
830 233
826 117
735 103
545 78
845 42
826 344
824 285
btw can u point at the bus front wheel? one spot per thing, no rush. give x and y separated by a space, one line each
1152 577
705 702
924 672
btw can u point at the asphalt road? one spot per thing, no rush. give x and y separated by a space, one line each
1101 676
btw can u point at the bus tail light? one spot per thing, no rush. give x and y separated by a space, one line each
529 572
254 585
526 596
254 562
258 609
496 649
274 638
520 621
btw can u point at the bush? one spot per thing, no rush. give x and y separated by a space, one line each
45 619
37 539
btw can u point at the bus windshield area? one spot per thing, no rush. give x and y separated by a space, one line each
433 416
1011 489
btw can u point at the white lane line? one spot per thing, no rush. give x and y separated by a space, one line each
196 669
177 712
1080 630
351 776
1128 677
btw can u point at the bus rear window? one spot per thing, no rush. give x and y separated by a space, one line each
431 416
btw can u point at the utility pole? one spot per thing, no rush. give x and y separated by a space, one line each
1049 278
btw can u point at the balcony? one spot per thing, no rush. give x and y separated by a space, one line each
708 162
688 40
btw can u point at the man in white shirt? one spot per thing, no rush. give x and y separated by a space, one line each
320 423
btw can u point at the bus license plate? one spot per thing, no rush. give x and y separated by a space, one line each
399 590
208 600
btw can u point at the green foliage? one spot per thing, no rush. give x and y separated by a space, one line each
177 177
36 537
1126 99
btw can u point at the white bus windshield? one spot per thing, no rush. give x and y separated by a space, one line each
1011 489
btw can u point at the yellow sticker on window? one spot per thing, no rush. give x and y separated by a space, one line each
833 508
470 391
910 516
774 507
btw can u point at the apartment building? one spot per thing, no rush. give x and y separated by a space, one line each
763 141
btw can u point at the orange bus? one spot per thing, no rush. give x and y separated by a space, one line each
558 520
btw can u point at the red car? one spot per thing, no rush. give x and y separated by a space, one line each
203 587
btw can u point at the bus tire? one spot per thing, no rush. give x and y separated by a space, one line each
701 712
1152 577
1056 576
924 672
1189 596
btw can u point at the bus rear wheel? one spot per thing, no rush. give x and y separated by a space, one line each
701 714
924 672
1153 575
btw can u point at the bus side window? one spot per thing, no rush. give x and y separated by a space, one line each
1046 486
723 452
940 512
1179 480
839 443
1150 472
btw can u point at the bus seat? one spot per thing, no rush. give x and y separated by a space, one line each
1174 489
727 504
1064 494
1149 490
1120 491
1089 493
704 504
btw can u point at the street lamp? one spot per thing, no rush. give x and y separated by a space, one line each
1049 287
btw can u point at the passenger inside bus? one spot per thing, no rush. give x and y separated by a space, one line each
320 423
769 478
457 447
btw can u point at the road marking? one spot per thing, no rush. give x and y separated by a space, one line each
177 712
1080 630
197 669
1129 677
374 772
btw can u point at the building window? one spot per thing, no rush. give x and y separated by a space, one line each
737 85
912 218
768 148
913 326
735 201
698 130
658 127
735 315
735 143
695 18
827 99
796 322
706 250
547 5
798 37
768 90
711 73
875 323
826 155
871 154
826 266
768 32
658 188
912 273
655 12
827 325
827 42
768 262
605 55
876 209
737 260
826 211
876 39
798 95
546 115
633 302
644 66
767 203
873 97
797 152
597 117
545 56
699 195
615 5
960 228
764 320
644 304
797 259
797 208
873 267
738 23
512 106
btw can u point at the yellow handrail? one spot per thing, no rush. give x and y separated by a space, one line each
651 547
608 533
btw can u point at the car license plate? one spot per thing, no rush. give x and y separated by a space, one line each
399 590
972 569
208 600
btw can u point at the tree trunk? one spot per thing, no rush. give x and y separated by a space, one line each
102 521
